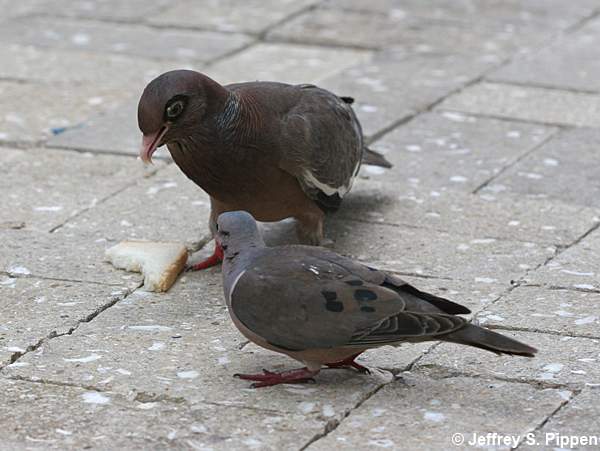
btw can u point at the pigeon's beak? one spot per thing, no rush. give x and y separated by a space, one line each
150 142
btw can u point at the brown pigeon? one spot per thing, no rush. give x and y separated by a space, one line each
324 309
273 149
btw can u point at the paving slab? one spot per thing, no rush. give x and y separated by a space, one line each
571 361
460 152
527 103
575 268
577 420
565 312
571 62
104 9
252 16
551 172
287 63
553 13
427 413
391 88
34 309
442 254
32 110
128 39
506 217
39 184
44 416
186 347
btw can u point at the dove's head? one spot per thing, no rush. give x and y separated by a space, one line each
237 230
172 106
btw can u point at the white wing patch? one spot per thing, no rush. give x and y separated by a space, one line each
328 190
233 286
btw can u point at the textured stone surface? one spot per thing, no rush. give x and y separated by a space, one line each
254 17
461 152
39 184
392 88
425 413
552 365
286 63
528 103
551 173
98 9
34 309
505 217
566 312
130 39
570 62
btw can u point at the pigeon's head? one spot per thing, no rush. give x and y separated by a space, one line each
170 107
236 229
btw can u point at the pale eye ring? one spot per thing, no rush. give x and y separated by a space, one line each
175 109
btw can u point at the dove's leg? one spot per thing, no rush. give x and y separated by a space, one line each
310 226
268 378
217 256
350 363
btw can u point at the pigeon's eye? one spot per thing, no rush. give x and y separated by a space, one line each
175 109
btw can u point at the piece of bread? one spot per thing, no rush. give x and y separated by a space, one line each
159 261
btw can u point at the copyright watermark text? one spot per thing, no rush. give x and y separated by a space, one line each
513 440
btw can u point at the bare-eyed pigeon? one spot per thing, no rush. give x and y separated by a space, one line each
273 149
321 308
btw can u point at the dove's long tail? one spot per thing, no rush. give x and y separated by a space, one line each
375 159
490 341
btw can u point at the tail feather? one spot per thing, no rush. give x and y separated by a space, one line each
490 341
375 159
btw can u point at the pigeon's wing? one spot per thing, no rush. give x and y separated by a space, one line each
310 302
321 145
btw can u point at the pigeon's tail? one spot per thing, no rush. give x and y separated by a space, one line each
490 341
375 159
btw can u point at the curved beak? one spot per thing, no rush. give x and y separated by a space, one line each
150 143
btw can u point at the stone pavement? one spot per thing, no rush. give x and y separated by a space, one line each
490 111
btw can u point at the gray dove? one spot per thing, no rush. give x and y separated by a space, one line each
321 308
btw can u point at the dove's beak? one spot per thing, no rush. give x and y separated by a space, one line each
151 142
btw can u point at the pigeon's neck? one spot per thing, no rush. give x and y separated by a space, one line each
238 256
237 121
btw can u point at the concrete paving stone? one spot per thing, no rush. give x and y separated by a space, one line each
40 416
508 217
560 360
355 28
12 9
577 420
426 413
39 184
552 172
418 251
389 89
287 63
29 63
32 110
567 312
571 62
450 151
252 16
33 309
553 13
575 268
186 347
128 39
527 103
133 10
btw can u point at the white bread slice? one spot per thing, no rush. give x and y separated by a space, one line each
159 261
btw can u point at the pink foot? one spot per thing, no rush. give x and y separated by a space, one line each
350 363
268 378
213 260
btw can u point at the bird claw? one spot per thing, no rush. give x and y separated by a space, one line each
268 378
215 259
350 363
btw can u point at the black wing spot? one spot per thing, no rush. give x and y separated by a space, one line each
329 295
355 283
364 295
367 309
334 306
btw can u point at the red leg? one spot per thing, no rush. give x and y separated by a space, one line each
350 363
268 378
213 260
